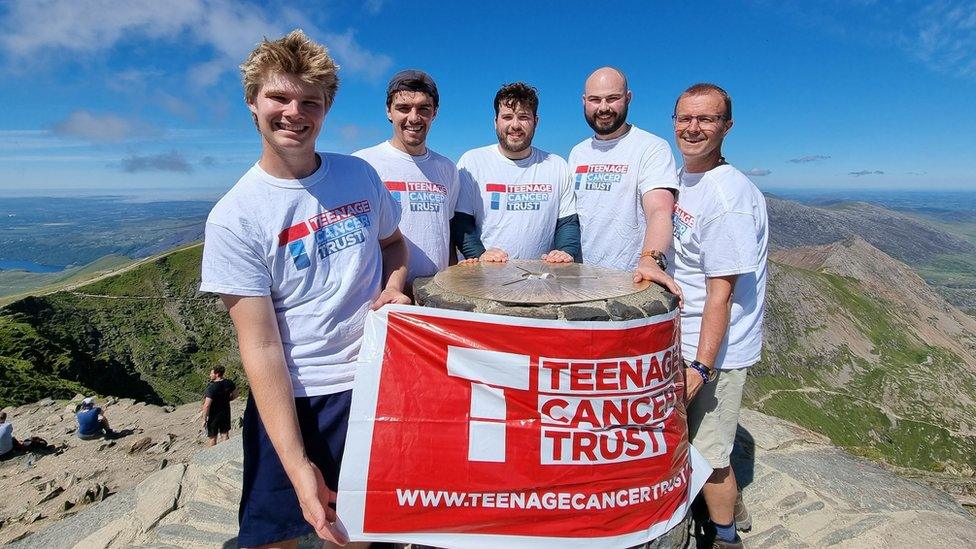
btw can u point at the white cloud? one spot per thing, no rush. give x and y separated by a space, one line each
945 37
36 30
171 161
101 127
861 173
373 7
941 34
356 59
759 172
809 158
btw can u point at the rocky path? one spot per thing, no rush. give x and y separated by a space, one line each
801 493
43 489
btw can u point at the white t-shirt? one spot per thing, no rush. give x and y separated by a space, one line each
610 176
516 203
6 437
426 187
311 244
720 228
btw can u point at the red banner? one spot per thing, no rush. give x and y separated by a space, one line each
482 429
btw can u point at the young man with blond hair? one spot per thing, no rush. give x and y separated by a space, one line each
300 250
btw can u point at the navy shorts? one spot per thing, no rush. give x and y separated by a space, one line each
269 509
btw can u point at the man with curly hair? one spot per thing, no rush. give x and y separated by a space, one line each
521 197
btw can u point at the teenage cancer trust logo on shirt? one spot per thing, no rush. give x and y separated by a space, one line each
334 230
422 196
599 177
522 197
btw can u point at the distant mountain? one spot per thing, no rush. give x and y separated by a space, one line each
945 259
901 236
145 334
859 348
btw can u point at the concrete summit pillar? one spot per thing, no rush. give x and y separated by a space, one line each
563 291
535 289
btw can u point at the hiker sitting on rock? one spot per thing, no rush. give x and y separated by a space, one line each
91 421
7 441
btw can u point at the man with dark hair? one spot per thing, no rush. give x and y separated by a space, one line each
299 249
521 197
422 181
625 180
216 405
720 241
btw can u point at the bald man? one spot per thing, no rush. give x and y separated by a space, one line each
625 181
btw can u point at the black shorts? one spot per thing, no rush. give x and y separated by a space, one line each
269 509
219 423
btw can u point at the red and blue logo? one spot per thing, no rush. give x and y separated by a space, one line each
520 197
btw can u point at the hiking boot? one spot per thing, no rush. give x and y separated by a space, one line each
741 516
722 544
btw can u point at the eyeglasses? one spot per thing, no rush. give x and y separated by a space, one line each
703 119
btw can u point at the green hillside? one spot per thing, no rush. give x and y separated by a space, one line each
15 284
838 359
909 402
145 334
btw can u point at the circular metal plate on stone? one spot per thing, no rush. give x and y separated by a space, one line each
532 281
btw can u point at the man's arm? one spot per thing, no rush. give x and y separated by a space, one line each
658 206
205 413
714 327
395 256
465 237
264 363
566 241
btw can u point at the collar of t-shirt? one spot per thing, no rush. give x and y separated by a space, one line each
605 144
690 179
390 149
303 183
521 162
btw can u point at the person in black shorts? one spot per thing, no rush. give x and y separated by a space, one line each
216 405
300 249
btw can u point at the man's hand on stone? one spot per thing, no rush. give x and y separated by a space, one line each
318 502
557 256
648 269
693 383
389 296
469 261
494 255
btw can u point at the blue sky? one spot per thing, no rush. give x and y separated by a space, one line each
143 97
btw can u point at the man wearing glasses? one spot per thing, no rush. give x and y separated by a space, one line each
720 243
625 182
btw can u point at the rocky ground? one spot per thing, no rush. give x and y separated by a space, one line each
801 492
42 489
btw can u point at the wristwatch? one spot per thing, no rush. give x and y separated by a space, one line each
659 257
708 374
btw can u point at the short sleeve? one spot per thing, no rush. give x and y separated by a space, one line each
232 265
211 391
657 169
729 244
469 199
455 193
567 196
388 210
